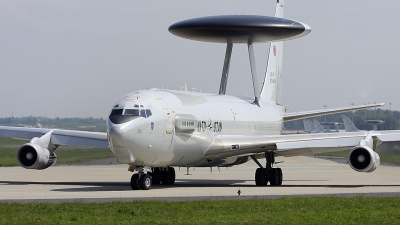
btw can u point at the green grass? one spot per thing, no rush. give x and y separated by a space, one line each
315 210
395 159
343 154
65 155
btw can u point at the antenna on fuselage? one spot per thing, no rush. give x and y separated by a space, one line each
241 29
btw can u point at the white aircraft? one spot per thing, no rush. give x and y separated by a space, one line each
154 130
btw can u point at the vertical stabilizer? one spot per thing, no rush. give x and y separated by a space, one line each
272 87
348 124
308 126
318 127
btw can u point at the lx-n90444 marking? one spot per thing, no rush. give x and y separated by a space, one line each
154 130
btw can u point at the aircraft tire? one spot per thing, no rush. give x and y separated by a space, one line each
135 182
280 176
155 180
258 176
261 177
165 178
145 182
171 173
155 176
275 176
273 179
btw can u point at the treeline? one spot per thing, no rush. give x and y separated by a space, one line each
359 118
87 124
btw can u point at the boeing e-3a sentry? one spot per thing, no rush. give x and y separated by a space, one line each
154 130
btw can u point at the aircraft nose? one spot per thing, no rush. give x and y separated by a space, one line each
121 141
117 135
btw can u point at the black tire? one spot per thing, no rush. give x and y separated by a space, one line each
273 177
155 179
258 176
280 176
165 178
145 182
155 176
171 173
135 182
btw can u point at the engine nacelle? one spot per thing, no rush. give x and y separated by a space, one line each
363 159
32 156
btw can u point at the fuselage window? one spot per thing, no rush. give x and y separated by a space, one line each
116 112
131 112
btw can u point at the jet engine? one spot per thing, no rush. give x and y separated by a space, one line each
32 156
363 159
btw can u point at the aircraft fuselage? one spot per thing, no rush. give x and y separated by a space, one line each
159 128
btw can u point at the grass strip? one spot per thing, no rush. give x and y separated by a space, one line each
314 210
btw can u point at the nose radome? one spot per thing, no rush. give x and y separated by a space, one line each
119 144
116 135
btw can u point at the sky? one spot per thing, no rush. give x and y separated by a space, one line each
76 58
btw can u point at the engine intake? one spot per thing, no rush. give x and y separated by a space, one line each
363 159
32 156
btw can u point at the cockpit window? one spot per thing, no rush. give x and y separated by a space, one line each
145 113
148 112
119 116
116 112
131 112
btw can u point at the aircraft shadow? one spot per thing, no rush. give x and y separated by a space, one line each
93 186
125 186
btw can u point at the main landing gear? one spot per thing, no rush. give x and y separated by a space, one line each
163 175
263 175
158 175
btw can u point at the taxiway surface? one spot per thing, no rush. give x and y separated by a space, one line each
302 176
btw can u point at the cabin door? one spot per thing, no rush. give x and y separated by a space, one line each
169 126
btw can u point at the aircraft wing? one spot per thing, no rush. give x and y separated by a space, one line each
321 112
294 144
58 137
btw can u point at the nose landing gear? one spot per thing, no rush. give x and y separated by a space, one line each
142 181
263 175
